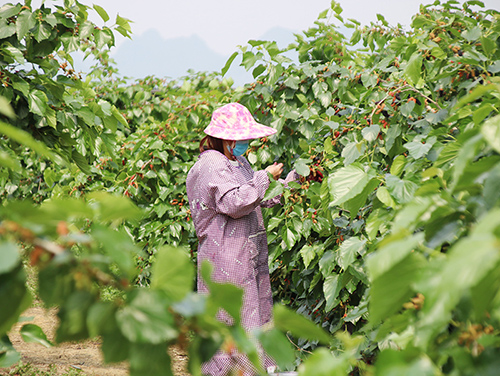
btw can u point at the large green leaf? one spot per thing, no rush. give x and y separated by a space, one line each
173 272
277 346
34 334
349 250
222 295
287 320
8 354
352 151
13 290
146 319
491 132
26 139
348 182
275 189
391 285
401 189
9 257
413 69
149 360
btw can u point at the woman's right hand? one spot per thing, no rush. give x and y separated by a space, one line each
275 170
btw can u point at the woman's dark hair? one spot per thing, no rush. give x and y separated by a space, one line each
211 143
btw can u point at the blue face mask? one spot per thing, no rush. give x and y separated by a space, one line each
240 148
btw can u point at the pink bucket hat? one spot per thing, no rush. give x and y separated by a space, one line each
234 122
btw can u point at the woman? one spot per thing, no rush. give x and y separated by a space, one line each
225 196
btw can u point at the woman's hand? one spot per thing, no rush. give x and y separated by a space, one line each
275 170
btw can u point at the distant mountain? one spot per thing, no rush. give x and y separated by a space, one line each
151 54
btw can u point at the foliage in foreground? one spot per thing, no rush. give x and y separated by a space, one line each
391 236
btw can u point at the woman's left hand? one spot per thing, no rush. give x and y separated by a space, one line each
275 170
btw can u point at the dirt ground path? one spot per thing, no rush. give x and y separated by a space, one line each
85 356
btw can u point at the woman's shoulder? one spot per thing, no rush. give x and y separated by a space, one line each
213 158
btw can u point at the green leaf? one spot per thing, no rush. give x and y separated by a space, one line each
13 290
352 151
275 189
414 68
287 320
123 22
9 257
408 362
331 289
323 363
347 183
26 139
391 253
222 295
37 101
173 273
386 296
101 12
8 354
491 132
34 334
302 167
6 29
349 250
6 109
228 63
370 133
419 148
289 237
81 162
398 165
42 31
308 254
9 10
277 346
385 197
112 208
146 319
401 189
119 246
472 34
15 53
149 360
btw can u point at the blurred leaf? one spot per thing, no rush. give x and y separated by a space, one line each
323 363
491 132
13 290
287 320
9 257
8 354
149 360
386 296
6 109
277 346
34 334
146 319
26 139
173 273
112 208
408 362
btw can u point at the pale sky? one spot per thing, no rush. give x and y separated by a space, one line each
225 24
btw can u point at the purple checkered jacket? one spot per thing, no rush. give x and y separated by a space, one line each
225 198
